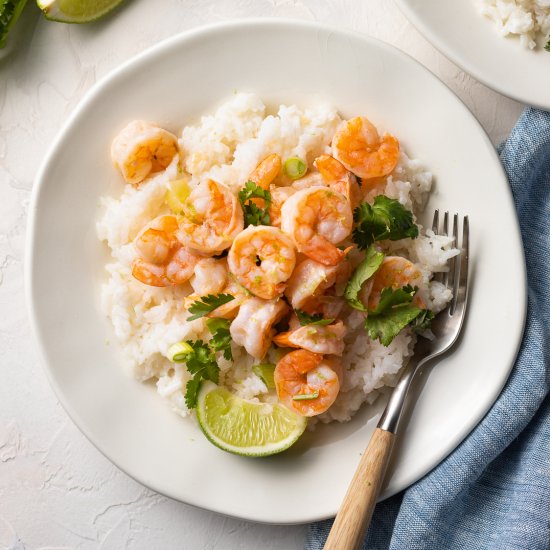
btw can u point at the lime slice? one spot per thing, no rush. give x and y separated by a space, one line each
245 428
76 11
178 191
9 12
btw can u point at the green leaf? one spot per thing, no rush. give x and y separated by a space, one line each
207 304
423 321
363 272
253 214
192 391
393 313
311 319
547 47
200 356
221 337
385 219
387 326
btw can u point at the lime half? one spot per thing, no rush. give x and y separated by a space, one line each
245 428
76 11
9 12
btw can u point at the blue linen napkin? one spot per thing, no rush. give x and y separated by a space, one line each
493 491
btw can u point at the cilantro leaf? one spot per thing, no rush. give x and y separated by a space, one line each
364 271
191 392
547 47
423 321
221 337
253 214
385 219
311 319
207 304
393 313
201 363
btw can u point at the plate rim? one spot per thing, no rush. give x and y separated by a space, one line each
29 271
455 57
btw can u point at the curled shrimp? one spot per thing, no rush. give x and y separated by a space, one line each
252 328
210 276
358 146
317 219
230 309
212 218
142 148
395 272
278 197
339 178
264 174
163 261
327 339
306 383
309 280
262 259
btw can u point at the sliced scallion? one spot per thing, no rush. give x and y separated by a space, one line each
265 372
179 352
295 168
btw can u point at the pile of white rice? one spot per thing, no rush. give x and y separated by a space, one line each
226 147
524 18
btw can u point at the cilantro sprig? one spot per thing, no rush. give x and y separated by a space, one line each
547 47
206 304
200 357
253 214
221 337
394 312
364 271
385 219
311 319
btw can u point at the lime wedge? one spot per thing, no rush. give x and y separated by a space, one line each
245 428
76 11
176 195
9 12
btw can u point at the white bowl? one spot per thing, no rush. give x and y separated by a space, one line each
173 84
459 31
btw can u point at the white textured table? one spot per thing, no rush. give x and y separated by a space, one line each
56 490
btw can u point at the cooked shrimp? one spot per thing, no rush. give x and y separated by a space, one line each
309 280
252 328
306 383
278 197
212 218
163 260
262 259
142 148
337 177
264 174
210 276
230 309
327 339
395 272
358 146
317 219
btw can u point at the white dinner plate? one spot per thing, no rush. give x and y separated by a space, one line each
174 83
459 31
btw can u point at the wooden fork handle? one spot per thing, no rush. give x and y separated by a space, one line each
351 522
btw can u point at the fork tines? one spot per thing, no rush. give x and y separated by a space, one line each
457 277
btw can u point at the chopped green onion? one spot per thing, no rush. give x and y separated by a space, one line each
295 168
264 371
306 396
178 352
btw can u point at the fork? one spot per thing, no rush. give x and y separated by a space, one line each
355 512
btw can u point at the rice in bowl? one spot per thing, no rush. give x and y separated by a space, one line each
226 147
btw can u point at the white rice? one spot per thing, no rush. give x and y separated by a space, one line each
524 18
227 147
